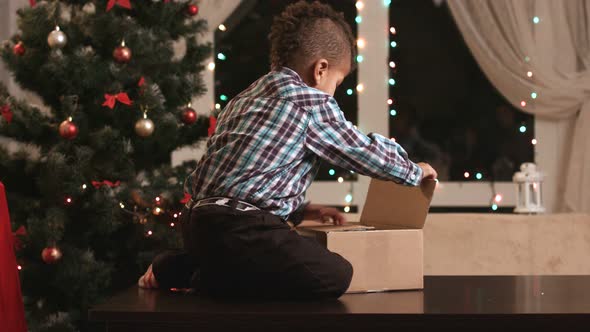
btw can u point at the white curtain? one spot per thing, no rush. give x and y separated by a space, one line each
551 40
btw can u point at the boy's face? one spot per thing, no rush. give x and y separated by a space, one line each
328 76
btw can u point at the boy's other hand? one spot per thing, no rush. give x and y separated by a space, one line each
427 171
323 214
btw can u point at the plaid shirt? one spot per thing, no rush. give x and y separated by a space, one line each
269 139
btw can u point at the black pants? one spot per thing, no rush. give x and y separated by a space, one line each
250 254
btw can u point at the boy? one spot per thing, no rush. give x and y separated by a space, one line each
262 158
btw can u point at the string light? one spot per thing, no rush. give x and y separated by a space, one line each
494 207
391 81
223 97
349 92
360 87
527 59
359 58
386 3
176 215
171 224
340 179
392 112
534 95
222 27
121 205
211 66
466 175
332 172
18 267
347 209
389 101
221 56
391 64
534 141
522 129
348 198
536 20
158 199
68 200
479 176
84 186
361 43
392 30
529 73
360 5
393 44
523 103
217 106
393 139
358 19
149 233
498 198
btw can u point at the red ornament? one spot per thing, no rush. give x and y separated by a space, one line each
122 54
51 255
19 49
192 10
68 129
189 116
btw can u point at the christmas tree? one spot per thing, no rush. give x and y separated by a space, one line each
90 186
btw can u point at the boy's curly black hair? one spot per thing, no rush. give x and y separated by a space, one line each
307 30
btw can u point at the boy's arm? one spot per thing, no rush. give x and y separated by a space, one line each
333 138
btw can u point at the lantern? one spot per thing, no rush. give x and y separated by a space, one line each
528 182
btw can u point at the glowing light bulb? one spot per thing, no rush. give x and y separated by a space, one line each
18 267
223 97
360 5
347 209
171 224
122 205
358 19
392 112
393 44
149 233
360 88
522 129
211 66
529 73
523 103
340 179
534 95
348 198
498 198
391 81
332 172
391 64
494 207
84 186
359 58
534 141
361 43
217 106
536 20
158 199
392 30
389 101
222 27
176 215
466 175
349 92
479 176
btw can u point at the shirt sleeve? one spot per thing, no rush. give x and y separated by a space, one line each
333 138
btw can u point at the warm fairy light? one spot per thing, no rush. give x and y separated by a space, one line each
498 198
389 101
529 73
211 66
534 141
176 215
392 30
360 88
347 209
217 106
466 175
523 103
18 267
393 139
157 210
340 179
361 43
68 200
122 205
84 186
171 224
534 95
158 199
360 5
149 233
222 27
391 64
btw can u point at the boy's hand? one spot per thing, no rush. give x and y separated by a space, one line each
427 171
323 214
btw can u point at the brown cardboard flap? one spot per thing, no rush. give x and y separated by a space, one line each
389 203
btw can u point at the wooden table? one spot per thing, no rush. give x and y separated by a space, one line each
458 303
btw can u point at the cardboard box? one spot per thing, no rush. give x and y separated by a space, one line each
386 247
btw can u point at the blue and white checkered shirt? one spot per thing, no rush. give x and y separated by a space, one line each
269 139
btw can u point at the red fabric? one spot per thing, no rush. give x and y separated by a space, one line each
12 313
122 3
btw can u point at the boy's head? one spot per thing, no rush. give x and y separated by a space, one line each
316 42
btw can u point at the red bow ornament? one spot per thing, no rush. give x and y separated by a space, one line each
21 231
110 100
121 3
187 197
98 184
6 113
212 125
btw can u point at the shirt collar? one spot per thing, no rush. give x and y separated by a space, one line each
291 73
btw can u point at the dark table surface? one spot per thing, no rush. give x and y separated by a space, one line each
446 302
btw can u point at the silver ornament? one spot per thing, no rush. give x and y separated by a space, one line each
57 38
144 127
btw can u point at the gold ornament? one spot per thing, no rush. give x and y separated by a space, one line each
57 38
144 127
